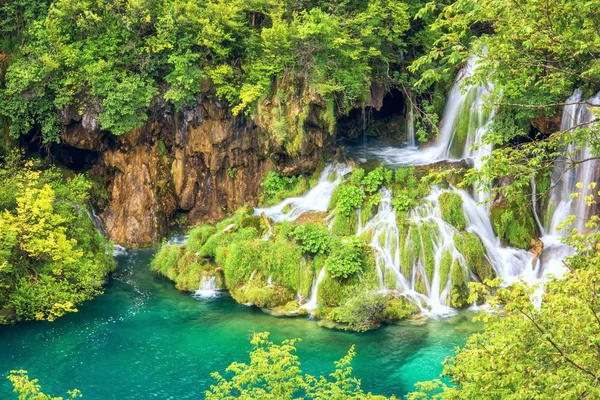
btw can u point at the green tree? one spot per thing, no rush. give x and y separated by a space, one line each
274 372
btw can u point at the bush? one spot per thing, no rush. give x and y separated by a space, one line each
374 179
313 238
347 198
347 258
452 212
199 236
361 312
52 257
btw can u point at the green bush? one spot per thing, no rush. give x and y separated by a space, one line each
346 199
313 238
346 259
52 257
198 237
452 212
374 179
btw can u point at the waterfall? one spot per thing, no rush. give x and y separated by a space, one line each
96 220
178 239
208 287
410 123
565 182
315 200
565 179
311 305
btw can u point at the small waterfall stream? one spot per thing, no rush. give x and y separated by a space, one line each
208 287
315 200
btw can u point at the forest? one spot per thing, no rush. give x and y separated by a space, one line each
408 187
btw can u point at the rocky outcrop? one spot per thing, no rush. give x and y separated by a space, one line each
194 165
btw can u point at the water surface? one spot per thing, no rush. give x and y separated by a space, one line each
143 339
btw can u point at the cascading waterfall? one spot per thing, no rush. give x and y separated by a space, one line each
565 180
410 124
208 287
315 200
311 305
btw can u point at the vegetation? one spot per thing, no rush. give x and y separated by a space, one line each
452 212
28 389
113 58
52 258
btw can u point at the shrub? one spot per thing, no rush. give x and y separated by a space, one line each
198 236
374 179
365 309
313 238
347 199
346 259
357 176
452 212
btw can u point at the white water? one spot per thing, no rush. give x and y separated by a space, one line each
574 115
565 180
410 124
311 305
208 287
178 239
315 200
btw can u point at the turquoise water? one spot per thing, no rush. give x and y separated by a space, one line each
143 339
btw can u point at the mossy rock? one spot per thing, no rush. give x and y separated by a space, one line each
451 206
514 223
472 249
459 293
398 309
344 225
333 292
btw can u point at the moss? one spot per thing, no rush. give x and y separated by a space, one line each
333 292
344 225
242 258
258 293
445 267
513 223
420 285
428 250
199 236
451 206
284 264
307 275
460 292
399 309
370 277
390 279
463 125
473 250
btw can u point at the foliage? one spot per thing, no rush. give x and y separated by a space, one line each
514 223
374 179
28 389
277 187
313 238
274 372
53 257
346 199
452 212
109 59
366 308
347 258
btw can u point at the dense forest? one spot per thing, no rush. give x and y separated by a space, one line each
246 124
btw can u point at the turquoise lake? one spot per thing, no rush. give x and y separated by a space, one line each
143 339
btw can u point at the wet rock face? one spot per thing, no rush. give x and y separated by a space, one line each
202 163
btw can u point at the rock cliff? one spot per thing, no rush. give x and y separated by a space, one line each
192 165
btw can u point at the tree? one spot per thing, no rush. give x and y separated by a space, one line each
274 373
52 256
28 389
